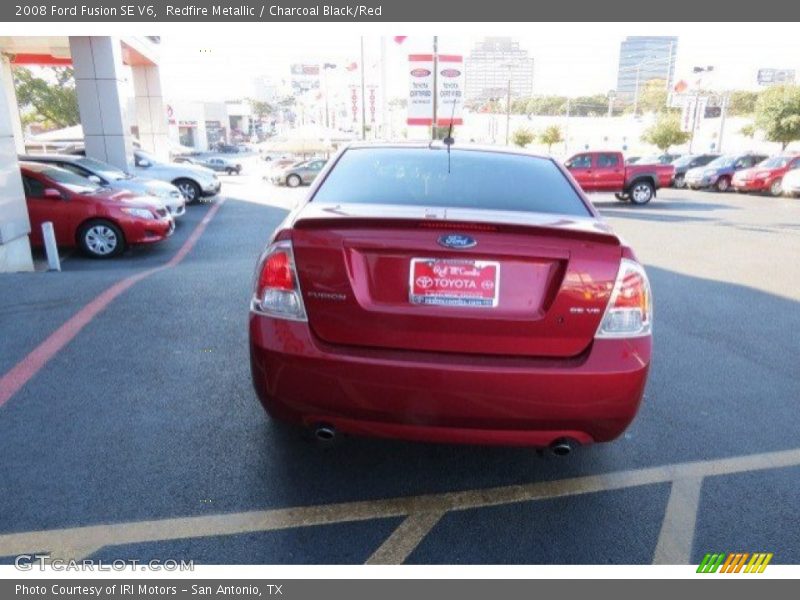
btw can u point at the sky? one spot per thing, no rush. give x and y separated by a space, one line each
569 59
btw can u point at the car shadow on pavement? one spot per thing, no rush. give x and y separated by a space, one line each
639 214
716 389
665 204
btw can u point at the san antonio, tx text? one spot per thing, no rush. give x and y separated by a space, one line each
275 10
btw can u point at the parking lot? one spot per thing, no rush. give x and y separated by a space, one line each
129 427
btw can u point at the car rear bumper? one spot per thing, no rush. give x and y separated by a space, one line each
447 398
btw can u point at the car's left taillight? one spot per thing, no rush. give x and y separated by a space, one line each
630 309
276 288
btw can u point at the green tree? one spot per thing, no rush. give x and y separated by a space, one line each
748 130
666 132
50 101
653 97
551 135
742 103
522 137
778 114
261 108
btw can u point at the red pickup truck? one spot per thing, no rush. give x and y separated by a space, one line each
601 171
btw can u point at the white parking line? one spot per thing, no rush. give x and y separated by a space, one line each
674 545
12 544
398 546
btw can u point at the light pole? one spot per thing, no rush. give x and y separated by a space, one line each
363 96
696 117
508 104
325 68
636 93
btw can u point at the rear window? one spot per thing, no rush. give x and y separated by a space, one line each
419 177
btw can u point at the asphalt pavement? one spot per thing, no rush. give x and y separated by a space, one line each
141 436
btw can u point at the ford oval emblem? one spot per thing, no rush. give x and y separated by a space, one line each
420 72
450 72
457 241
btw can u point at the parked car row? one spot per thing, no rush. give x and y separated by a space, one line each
637 179
102 209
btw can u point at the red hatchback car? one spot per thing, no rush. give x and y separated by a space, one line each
766 176
101 221
469 296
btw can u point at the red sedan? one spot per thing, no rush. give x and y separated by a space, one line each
766 176
101 221
468 296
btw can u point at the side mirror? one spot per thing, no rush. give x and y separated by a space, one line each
53 194
568 164
143 163
95 179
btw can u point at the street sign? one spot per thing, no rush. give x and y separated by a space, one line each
688 114
420 89
450 92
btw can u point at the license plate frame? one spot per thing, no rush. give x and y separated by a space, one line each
434 291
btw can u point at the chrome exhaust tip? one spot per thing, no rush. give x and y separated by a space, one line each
562 447
325 433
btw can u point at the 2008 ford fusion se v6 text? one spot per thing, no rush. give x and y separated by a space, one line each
442 293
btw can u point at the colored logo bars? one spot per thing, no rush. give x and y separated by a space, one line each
735 562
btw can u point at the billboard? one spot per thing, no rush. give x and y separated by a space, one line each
304 78
420 89
775 76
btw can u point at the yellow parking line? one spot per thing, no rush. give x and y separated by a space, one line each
284 518
398 546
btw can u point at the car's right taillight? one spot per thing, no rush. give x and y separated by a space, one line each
630 309
276 288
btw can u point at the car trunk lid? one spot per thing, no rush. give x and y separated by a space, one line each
389 277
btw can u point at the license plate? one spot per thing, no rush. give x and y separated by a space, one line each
454 282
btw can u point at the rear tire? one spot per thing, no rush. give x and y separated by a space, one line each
679 182
723 184
621 197
101 239
641 192
776 189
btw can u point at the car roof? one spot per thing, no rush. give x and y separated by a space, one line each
34 166
438 145
53 157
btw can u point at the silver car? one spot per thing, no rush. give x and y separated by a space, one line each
110 176
193 181
299 173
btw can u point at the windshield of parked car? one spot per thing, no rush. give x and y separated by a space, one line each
142 155
722 162
474 179
104 170
684 161
776 162
71 181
